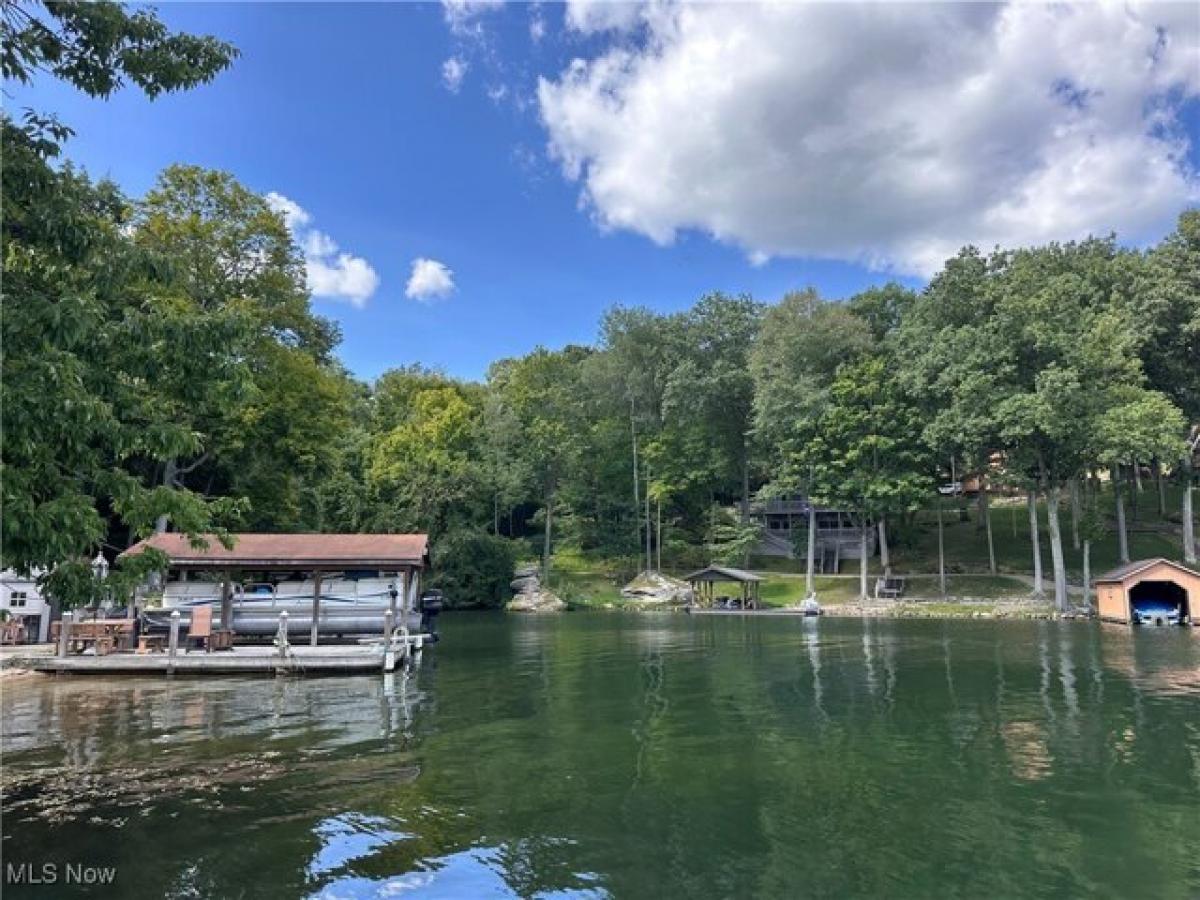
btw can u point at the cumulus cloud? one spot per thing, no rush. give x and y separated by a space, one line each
430 280
454 70
331 273
882 134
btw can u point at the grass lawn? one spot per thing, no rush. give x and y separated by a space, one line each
914 546
583 579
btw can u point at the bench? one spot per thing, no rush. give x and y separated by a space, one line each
151 643
889 588
105 635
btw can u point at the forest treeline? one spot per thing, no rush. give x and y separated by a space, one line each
163 368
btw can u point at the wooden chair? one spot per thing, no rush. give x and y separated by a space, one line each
200 628
889 588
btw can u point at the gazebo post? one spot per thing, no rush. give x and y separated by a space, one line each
316 609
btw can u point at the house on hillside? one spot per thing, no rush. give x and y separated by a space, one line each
784 522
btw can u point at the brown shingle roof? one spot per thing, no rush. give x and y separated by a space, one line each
722 573
1120 573
292 550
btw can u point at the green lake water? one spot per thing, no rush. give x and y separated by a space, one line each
606 755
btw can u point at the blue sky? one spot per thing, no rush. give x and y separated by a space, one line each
343 109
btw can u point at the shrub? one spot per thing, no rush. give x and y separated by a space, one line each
473 568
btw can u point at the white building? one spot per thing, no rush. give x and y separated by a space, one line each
22 600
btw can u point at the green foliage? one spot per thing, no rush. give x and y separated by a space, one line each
97 47
84 335
474 568
728 539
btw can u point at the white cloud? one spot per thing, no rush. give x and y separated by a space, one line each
454 70
430 280
882 134
332 274
463 15
293 215
537 24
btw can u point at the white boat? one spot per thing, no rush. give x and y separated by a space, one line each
349 604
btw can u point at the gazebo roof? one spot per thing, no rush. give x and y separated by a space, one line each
291 551
723 573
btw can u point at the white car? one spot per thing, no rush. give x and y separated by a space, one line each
950 489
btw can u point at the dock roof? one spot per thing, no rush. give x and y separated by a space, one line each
291 551
723 573
1121 573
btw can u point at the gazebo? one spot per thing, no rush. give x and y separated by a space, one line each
702 584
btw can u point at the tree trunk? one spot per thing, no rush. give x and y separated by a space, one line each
170 474
941 550
1135 485
885 559
1073 485
745 481
1161 488
1122 533
1038 588
649 530
1053 496
1189 524
637 500
810 569
1087 574
546 539
658 536
985 515
862 563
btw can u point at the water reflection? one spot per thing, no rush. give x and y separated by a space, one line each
614 755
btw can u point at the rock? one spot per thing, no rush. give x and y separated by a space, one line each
654 587
530 596
537 601
523 583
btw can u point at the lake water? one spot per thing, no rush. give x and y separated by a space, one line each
604 755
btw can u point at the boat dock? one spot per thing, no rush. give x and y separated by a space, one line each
240 660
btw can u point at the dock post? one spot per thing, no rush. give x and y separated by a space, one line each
64 634
282 639
316 608
173 641
389 656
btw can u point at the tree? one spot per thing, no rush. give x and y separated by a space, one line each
1168 315
99 47
268 404
795 360
541 389
427 465
861 451
79 406
81 411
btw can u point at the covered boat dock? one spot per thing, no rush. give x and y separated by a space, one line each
320 556
703 591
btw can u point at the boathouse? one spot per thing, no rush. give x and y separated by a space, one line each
1153 591
253 561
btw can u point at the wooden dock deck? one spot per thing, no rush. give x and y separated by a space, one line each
241 660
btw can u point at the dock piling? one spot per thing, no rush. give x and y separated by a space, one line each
64 635
173 640
281 639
